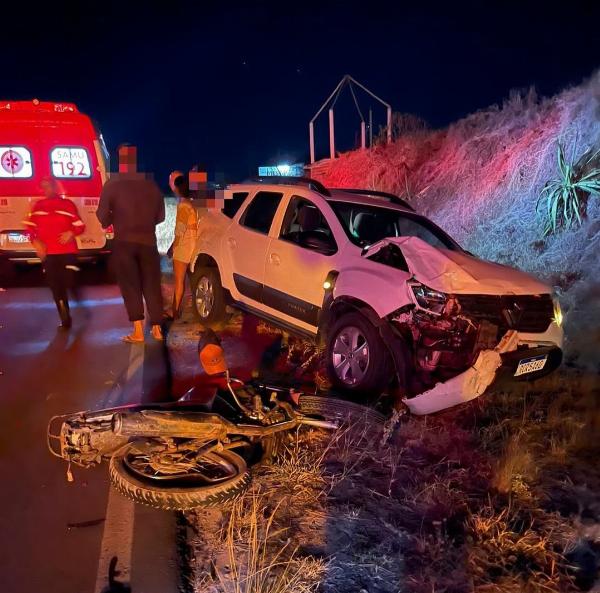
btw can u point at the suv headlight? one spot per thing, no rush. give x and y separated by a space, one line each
429 299
558 316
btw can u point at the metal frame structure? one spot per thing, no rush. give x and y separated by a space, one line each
347 80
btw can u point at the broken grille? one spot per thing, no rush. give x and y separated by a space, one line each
525 313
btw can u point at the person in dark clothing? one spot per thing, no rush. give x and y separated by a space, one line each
53 224
134 205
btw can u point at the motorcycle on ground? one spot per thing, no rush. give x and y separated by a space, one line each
182 455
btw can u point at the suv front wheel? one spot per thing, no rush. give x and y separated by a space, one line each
207 295
357 359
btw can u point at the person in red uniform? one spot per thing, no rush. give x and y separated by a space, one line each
53 224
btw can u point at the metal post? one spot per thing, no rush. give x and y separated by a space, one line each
389 125
331 136
370 128
363 134
311 133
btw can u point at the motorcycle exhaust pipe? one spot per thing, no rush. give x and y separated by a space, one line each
153 423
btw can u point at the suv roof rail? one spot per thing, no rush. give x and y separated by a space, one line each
377 194
312 184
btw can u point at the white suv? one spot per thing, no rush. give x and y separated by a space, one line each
395 300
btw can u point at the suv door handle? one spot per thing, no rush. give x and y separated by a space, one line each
232 242
274 259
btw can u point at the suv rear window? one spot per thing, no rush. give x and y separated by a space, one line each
260 212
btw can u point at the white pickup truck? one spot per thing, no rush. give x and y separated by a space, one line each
394 299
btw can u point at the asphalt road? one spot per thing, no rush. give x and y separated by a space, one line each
59 536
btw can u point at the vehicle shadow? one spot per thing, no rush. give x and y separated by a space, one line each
32 276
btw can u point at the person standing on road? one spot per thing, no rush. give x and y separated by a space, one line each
134 205
53 224
186 225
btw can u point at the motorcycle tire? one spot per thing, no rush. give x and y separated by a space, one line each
334 409
180 498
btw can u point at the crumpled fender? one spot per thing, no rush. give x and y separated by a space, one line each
468 385
384 289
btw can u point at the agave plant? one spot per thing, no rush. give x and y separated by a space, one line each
562 201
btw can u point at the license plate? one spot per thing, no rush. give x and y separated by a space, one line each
530 365
18 238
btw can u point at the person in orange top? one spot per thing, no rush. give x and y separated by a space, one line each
184 242
53 224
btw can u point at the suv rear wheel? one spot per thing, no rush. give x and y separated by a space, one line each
357 359
208 297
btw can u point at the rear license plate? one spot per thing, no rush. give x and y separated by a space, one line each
530 365
17 238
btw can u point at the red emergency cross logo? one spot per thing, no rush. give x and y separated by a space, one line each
11 162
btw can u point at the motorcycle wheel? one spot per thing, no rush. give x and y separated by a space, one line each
334 409
220 476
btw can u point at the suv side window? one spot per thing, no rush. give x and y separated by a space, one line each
261 210
233 204
305 225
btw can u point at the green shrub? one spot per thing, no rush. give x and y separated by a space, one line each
562 201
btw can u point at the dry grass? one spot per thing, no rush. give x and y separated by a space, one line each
260 556
500 495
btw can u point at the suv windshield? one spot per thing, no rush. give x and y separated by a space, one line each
366 225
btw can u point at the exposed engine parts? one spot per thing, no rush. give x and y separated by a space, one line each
444 344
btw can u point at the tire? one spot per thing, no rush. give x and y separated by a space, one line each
334 409
203 280
365 374
179 498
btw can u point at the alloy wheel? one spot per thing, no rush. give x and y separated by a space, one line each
205 297
350 355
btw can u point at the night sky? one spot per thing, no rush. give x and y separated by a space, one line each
233 86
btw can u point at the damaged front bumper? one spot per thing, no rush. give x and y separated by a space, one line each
489 365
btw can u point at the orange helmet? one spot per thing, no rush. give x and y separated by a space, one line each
212 357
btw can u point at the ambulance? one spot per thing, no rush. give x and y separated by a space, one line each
39 139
